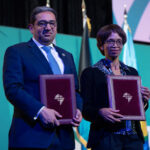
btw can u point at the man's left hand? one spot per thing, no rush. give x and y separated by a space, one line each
77 119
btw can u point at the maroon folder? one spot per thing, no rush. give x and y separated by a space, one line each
58 92
125 95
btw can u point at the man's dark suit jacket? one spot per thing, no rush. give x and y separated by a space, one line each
23 63
95 96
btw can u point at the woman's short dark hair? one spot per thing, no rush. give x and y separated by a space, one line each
38 10
106 31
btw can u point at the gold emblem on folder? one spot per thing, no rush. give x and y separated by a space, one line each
127 96
59 98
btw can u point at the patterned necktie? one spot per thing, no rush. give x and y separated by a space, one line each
52 62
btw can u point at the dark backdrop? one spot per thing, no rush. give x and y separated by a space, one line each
15 13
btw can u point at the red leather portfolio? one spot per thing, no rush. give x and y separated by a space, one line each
125 95
58 92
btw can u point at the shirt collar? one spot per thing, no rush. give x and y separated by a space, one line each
39 44
107 62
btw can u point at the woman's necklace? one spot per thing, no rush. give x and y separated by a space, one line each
115 68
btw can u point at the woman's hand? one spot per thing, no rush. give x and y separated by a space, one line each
110 115
145 93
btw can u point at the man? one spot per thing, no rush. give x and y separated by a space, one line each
35 126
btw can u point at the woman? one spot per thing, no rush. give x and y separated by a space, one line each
107 131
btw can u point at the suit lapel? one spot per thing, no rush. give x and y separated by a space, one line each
38 54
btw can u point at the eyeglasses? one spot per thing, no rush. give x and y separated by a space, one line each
44 23
112 42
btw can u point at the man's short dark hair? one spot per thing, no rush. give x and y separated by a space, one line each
38 10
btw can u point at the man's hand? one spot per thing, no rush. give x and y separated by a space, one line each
110 115
49 117
77 119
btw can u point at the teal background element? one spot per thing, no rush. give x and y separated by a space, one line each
137 17
10 36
